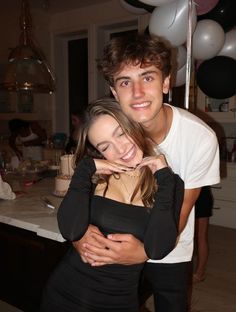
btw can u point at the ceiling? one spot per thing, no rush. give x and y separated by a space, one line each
52 6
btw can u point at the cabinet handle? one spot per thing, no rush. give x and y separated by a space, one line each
217 208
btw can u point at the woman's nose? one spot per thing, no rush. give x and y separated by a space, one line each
120 148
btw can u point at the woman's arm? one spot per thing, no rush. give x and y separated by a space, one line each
162 230
73 213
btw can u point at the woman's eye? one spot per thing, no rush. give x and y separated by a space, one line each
103 149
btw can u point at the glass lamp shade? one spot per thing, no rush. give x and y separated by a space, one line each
27 71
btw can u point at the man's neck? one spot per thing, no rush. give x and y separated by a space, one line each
159 129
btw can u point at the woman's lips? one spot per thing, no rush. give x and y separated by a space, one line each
130 155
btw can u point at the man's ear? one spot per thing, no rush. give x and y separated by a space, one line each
114 93
166 85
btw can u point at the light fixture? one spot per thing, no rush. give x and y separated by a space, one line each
27 69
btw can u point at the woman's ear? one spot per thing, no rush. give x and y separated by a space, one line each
166 85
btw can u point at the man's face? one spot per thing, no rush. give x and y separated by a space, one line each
140 92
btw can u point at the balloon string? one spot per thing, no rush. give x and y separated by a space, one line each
189 50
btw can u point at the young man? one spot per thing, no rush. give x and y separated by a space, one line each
138 71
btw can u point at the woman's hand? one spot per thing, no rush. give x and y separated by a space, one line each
104 166
154 162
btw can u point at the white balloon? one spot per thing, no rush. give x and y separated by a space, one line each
229 47
157 2
181 56
171 22
132 9
208 39
180 77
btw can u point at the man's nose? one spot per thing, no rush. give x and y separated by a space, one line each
138 89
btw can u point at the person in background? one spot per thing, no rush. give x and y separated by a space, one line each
5 190
73 138
32 137
138 69
203 211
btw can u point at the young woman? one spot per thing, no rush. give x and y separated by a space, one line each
119 186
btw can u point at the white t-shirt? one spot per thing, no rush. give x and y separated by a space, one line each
192 151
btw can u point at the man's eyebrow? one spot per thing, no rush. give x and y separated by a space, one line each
122 78
148 72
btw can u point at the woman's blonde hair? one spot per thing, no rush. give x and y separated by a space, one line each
109 106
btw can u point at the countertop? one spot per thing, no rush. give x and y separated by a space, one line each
28 212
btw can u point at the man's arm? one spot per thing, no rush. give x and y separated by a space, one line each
125 248
190 197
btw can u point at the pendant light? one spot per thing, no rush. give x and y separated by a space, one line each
27 69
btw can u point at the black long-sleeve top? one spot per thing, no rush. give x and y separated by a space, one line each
156 227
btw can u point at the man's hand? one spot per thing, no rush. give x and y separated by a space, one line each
119 249
89 239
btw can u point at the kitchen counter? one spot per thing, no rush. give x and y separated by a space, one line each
28 212
31 244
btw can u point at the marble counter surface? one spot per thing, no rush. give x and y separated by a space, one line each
30 213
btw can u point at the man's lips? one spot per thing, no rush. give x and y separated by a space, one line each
141 105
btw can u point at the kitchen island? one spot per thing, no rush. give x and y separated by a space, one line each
31 244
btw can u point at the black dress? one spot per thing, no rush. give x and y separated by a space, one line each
75 285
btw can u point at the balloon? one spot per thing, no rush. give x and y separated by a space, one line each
224 13
180 77
181 56
171 22
157 2
208 39
204 6
216 77
132 9
197 64
229 47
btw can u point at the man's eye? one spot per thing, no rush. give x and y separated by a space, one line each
148 78
124 83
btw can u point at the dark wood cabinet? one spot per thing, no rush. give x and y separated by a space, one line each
26 262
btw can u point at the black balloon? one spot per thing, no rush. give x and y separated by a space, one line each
224 13
217 77
140 5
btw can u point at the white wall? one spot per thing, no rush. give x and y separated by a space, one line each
93 21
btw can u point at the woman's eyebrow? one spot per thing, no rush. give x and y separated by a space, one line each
113 134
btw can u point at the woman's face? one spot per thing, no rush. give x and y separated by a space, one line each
106 135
